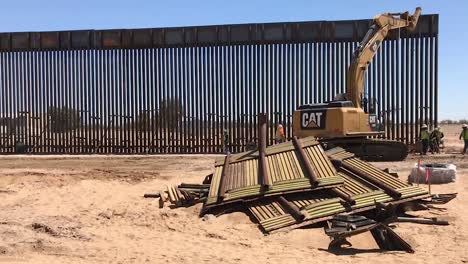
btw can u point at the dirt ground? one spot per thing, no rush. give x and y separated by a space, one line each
90 209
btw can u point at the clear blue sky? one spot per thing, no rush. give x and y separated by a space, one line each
46 15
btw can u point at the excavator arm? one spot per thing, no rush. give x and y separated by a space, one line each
367 49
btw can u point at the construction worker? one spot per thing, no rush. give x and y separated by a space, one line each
464 136
436 139
424 136
280 138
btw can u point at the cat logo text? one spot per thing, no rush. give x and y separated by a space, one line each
313 119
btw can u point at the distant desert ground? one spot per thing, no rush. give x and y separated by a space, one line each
90 209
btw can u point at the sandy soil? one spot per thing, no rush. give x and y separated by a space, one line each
89 209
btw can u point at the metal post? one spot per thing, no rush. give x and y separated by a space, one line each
264 178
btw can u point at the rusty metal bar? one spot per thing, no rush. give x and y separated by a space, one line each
284 84
401 91
380 92
388 97
288 83
422 87
248 73
312 175
50 134
291 208
419 83
225 175
427 85
271 106
348 199
407 86
264 178
203 92
4 102
323 72
296 89
10 115
213 110
238 104
397 86
436 80
81 106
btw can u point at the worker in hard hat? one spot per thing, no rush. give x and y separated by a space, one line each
424 136
464 136
436 139
279 136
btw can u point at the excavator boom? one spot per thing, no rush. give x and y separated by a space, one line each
369 46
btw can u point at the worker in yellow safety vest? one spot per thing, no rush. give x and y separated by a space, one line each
280 137
436 140
464 136
424 136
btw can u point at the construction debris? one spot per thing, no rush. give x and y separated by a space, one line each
344 226
440 198
181 195
426 221
297 184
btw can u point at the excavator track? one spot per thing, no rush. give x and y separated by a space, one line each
370 149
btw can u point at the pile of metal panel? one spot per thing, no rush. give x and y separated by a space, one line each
297 184
344 226
239 177
293 184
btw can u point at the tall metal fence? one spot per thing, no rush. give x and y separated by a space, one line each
179 90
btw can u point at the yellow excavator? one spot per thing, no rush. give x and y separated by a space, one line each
345 121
